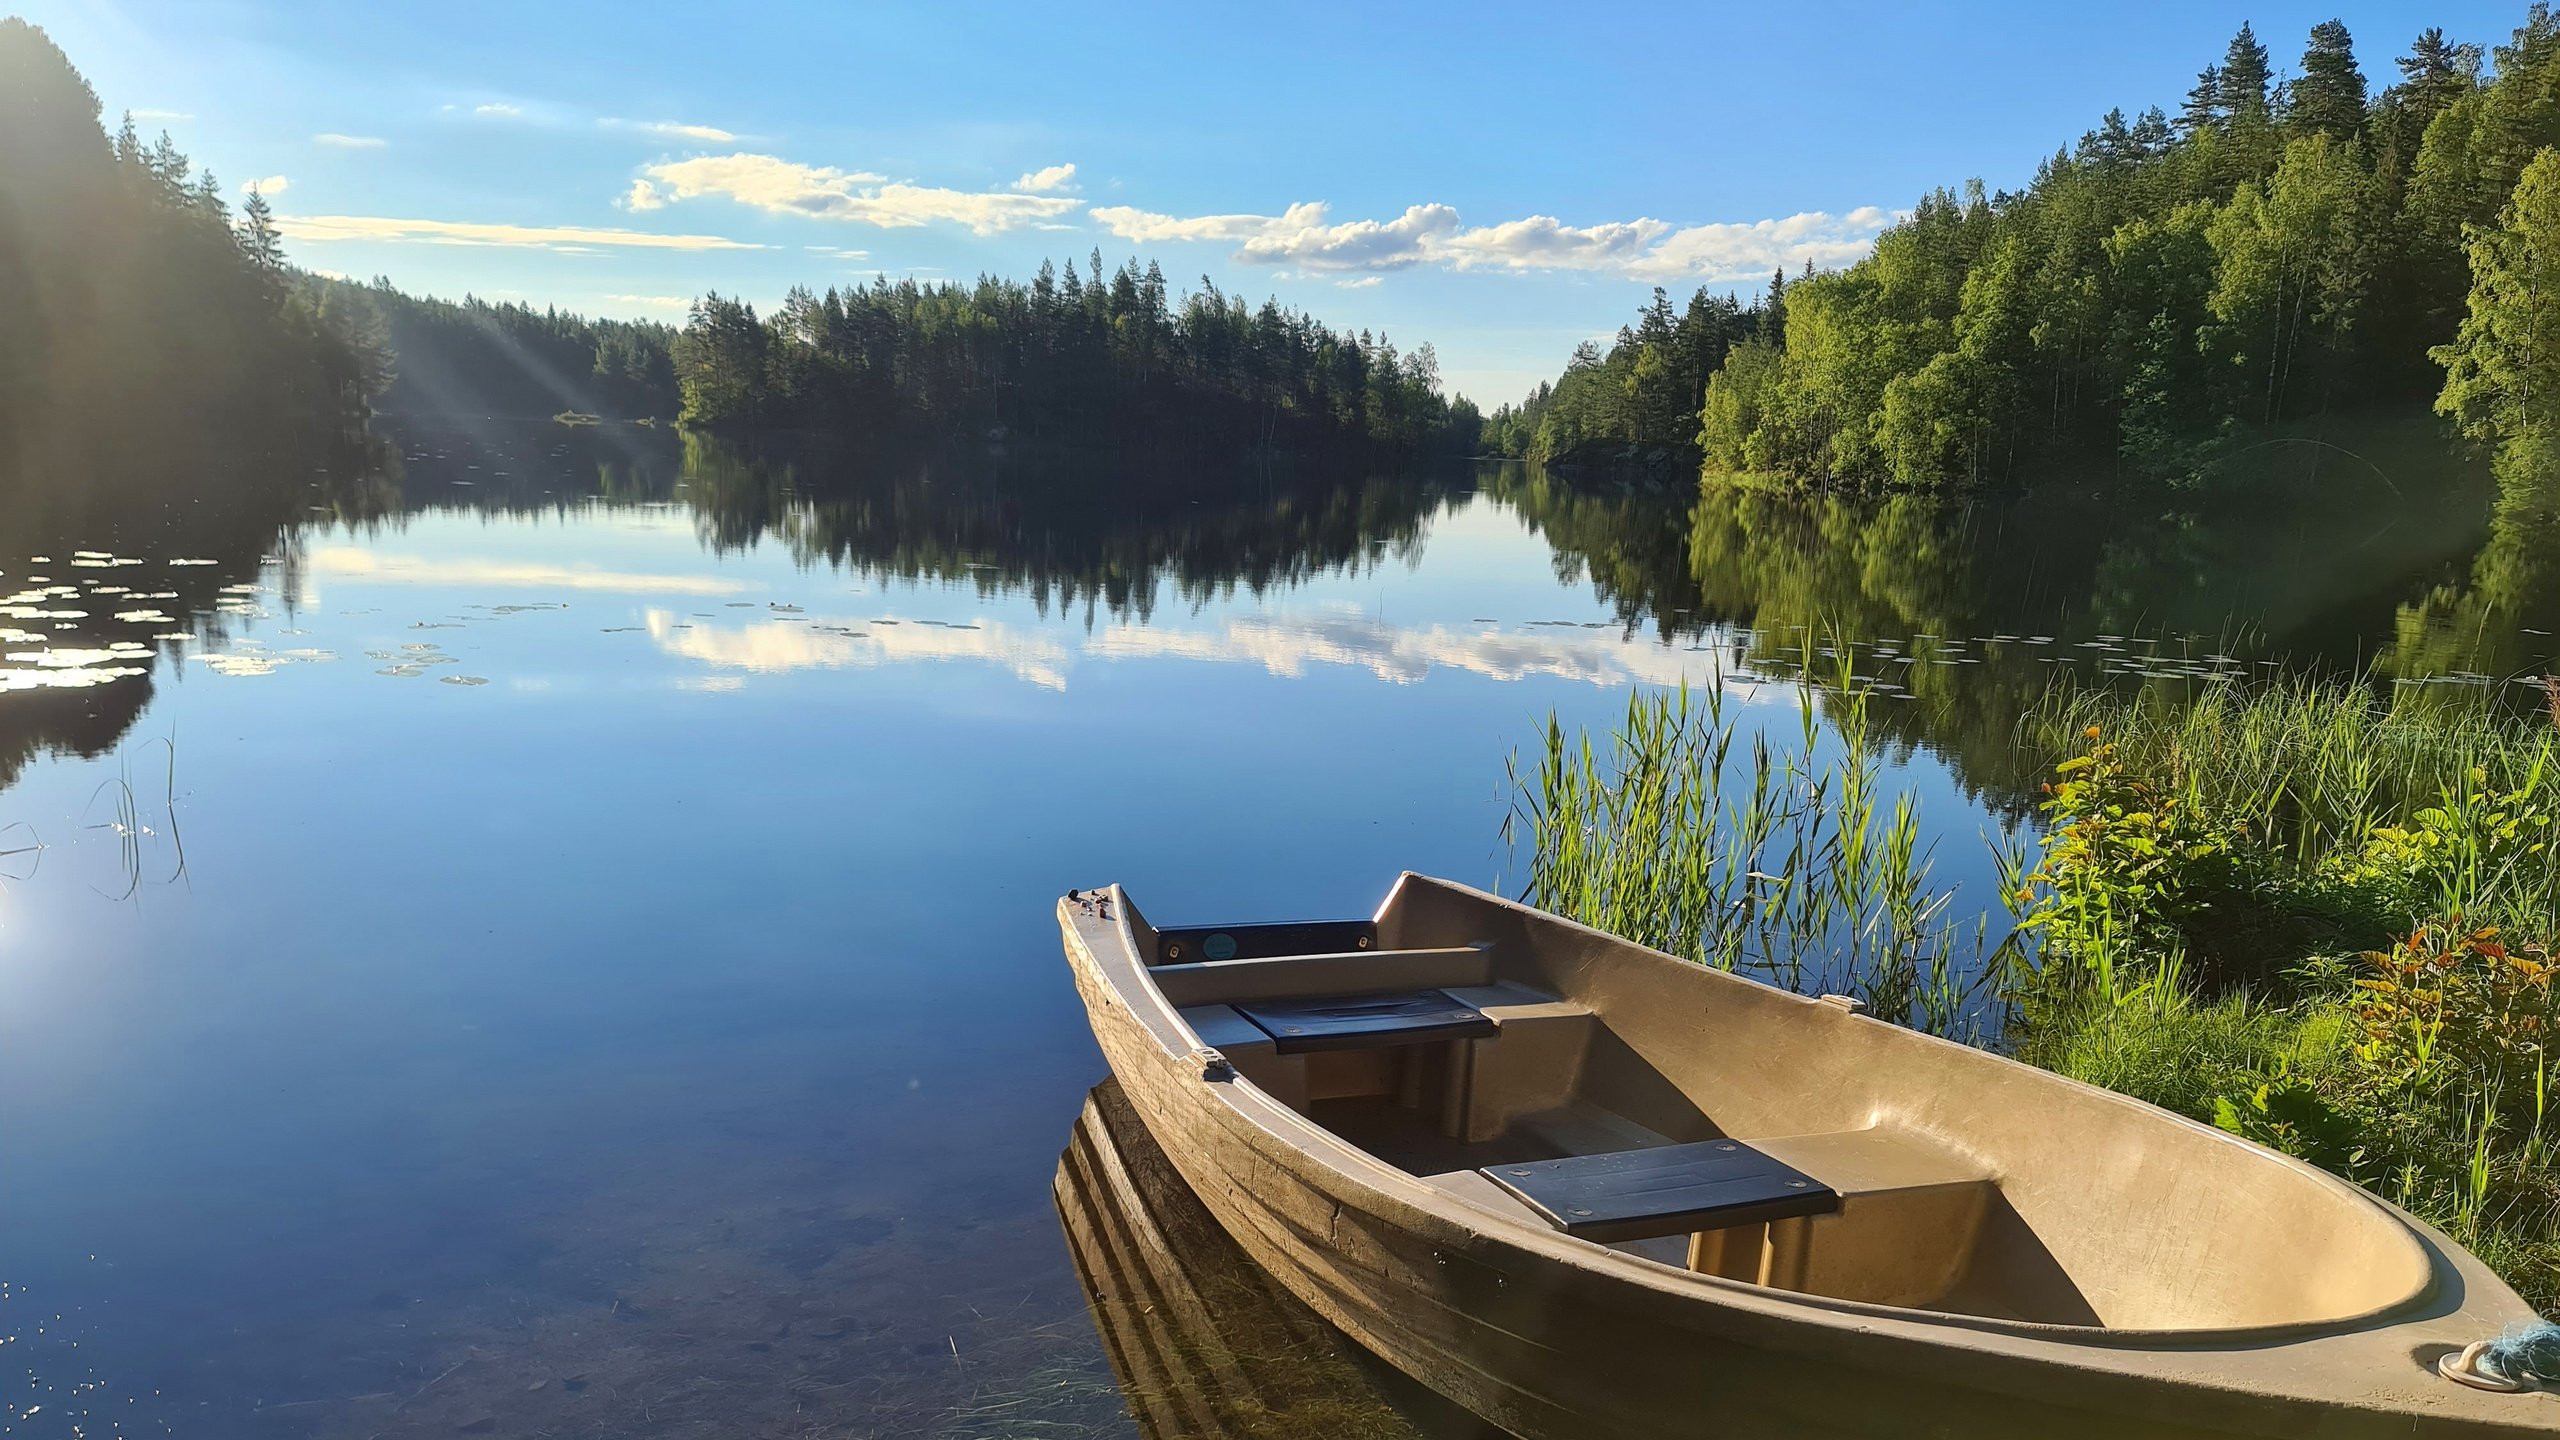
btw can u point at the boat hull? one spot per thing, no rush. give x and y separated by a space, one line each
1523 1328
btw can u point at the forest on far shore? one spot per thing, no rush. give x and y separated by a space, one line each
2161 289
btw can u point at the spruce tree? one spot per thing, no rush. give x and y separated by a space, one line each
2243 87
260 245
2203 107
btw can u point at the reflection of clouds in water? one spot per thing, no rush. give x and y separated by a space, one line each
790 645
1281 644
355 563
1287 644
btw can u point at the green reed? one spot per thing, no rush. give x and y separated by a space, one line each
1786 859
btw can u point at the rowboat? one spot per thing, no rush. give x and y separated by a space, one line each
1582 1188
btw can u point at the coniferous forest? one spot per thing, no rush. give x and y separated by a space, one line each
1067 358
2162 288
128 287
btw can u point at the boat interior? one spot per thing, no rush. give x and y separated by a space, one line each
1546 1073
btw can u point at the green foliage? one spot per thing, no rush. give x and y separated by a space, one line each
1642 394
2502 371
2421 1067
2280 252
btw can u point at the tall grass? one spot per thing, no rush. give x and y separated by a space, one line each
2312 769
1786 861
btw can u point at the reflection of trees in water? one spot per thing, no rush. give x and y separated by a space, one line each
1093 531
1630 541
2112 586
1063 531
143 491
2497 620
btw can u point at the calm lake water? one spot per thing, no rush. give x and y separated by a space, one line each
559 940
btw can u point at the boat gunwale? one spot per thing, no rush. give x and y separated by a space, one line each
1297 1132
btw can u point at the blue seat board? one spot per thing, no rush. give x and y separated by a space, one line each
1359 1022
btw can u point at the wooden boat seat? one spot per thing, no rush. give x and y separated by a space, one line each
1664 1190
1310 977
1468 1087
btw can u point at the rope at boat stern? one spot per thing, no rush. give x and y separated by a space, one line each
2525 1358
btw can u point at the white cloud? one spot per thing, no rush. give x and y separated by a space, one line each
498 111
1357 244
1641 249
336 141
655 302
1365 282
1055 177
837 252
567 238
673 130
270 187
1298 235
1739 251
1542 242
781 186
1146 227
160 115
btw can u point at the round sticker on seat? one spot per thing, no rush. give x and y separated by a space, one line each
1221 946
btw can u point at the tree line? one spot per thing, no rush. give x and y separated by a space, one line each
2161 287
1068 358
1637 400
475 357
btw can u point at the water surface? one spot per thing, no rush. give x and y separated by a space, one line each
563 944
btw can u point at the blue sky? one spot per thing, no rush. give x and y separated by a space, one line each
1500 180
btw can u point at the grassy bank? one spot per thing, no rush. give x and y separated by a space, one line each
2305 913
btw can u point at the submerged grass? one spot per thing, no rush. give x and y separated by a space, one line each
2316 913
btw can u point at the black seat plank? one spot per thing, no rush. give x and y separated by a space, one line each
1664 1190
1263 942
1358 1022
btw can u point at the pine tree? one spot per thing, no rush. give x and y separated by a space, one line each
2242 91
2435 73
2329 97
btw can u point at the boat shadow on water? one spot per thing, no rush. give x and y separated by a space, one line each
1204 1343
